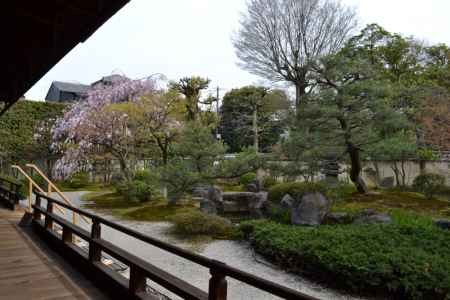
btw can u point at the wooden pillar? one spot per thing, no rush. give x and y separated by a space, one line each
95 253
138 280
217 285
48 219
30 194
67 235
37 214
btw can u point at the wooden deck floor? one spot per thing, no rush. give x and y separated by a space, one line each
27 271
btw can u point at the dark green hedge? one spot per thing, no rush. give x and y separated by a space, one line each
408 262
17 128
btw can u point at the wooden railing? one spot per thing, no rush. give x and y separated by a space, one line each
50 188
141 270
9 193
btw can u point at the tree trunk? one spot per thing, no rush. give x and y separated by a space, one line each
300 92
356 168
396 173
377 172
124 169
403 173
48 164
420 138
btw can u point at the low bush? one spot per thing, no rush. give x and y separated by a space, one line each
404 260
144 187
269 182
23 186
295 189
78 180
247 178
429 184
198 223
341 192
137 190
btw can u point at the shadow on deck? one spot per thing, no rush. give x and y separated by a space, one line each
29 269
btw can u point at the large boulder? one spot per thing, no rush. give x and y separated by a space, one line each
237 201
209 207
371 216
337 218
257 204
310 210
287 202
214 194
200 191
252 188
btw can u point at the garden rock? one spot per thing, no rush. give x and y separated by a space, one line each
443 223
233 207
387 182
257 204
208 207
310 210
244 197
252 187
287 202
371 216
337 219
200 191
215 194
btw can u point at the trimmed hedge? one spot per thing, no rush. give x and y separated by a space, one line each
295 189
407 261
198 223
429 184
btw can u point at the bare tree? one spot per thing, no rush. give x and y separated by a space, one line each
279 39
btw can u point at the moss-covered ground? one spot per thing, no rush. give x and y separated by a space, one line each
386 201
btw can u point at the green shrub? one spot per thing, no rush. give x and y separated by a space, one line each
295 189
79 180
198 223
247 178
145 175
429 184
144 187
269 182
404 261
342 191
22 189
179 179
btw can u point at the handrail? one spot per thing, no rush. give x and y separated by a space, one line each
218 270
31 184
51 186
9 195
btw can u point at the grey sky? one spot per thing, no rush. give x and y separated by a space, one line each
193 37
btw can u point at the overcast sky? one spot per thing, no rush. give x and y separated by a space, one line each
193 37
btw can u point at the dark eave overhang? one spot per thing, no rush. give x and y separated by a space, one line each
37 34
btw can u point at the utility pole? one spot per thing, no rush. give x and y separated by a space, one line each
217 111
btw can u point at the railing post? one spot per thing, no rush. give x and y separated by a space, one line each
37 213
30 194
95 253
217 285
48 219
138 280
67 235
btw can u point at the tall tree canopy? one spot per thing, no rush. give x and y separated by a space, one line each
280 39
252 116
191 88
